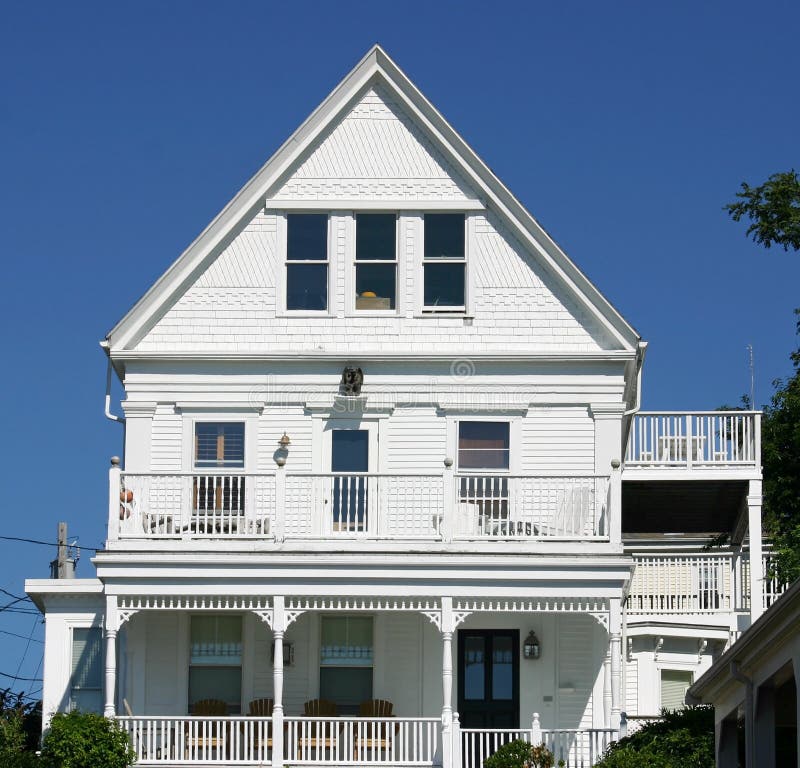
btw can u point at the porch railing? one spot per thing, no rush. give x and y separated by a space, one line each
406 741
285 505
695 583
700 439
578 747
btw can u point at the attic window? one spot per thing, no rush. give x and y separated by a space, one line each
376 261
307 261
444 263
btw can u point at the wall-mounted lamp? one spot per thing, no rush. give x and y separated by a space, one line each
530 648
283 450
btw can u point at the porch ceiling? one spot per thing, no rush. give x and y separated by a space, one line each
688 506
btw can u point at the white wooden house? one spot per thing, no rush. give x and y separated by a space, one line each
382 443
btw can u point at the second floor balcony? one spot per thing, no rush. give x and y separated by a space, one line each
284 506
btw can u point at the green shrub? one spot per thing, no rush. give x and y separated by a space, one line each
85 740
683 738
18 736
520 754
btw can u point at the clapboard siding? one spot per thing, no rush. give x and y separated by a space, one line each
557 440
272 423
400 661
576 671
166 451
415 441
632 686
162 631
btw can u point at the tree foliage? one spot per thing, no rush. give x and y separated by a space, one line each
520 754
773 209
683 738
85 740
780 450
19 731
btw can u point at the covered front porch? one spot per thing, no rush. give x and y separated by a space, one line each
453 671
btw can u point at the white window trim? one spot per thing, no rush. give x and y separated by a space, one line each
469 233
514 442
280 279
250 421
71 626
350 261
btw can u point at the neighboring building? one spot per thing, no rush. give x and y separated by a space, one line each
381 442
753 688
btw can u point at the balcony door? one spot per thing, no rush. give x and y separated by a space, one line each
352 489
488 678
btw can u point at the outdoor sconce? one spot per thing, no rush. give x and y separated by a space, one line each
283 450
530 649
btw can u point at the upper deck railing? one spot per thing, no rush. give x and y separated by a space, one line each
283 505
700 439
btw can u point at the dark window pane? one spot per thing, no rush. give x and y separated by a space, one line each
346 686
502 668
474 668
350 450
375 286
307 236
483 445
444 285
307 286
444 235
483 459
219 444
376 236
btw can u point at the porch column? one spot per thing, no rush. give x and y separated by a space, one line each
756 559
764 726
448 625
111 627
615 631
278 629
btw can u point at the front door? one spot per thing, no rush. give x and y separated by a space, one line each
488 678
350 492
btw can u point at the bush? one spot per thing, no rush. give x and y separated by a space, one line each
683 738
520 754
85 740
18 722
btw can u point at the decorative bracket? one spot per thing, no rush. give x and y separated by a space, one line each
659 644
701 649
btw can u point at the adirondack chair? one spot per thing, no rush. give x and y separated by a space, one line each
373 736
204 740
318 735
258 735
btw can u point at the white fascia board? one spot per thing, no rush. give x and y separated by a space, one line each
376 65
41 591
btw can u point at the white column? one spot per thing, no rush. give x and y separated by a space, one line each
764 726
278 629
756 550
448 626
111 627
114 476
608 453
615 632
607 687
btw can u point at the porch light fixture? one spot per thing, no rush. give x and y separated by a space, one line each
285 442
530 648
283 450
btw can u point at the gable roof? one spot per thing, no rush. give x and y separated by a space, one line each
375 68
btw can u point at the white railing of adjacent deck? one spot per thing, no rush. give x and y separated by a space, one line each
578 748
239 740
712 582
284 505
699 439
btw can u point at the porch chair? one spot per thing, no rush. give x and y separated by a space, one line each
317 735
258 735
203 740
375 737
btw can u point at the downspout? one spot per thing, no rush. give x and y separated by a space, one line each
637 403
749 715
109 415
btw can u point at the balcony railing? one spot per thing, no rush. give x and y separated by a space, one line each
285 505
709 439
701 583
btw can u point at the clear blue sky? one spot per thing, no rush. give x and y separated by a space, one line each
624 127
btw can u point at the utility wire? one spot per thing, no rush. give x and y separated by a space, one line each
27 646
21 637
48 543
27 679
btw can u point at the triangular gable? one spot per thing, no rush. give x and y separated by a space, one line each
376 70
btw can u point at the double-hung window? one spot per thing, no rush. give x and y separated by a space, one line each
376 261
444 263
215 660
346 661
219 459
86 680
307 261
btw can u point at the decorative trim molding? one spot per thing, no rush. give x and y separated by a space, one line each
131 605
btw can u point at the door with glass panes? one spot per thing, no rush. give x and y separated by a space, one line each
352 493
488 678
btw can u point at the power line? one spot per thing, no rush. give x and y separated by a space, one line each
26 679
27 646
21 637
48 543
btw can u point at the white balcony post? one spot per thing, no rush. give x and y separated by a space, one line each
615 631
449 499
536 730
280 503
607 687
111 628
456 741
114 479
278 629
756 549
614 513
689 440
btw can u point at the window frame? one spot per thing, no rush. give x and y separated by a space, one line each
661 668
87 626
371 666
282 283
240 666
454 311
354 262
512 444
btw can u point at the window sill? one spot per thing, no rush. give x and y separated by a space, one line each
304 313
